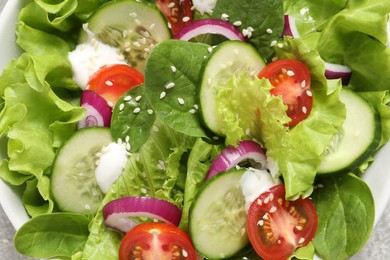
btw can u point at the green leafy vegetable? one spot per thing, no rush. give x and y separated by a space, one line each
171 75
256 16
52 235
346 213
132 118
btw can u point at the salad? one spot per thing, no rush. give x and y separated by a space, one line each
216 129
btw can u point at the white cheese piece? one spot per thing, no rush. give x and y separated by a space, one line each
254 182
204 6
109 167
91 55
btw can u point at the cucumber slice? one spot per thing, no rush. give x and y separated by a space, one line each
226 60
73 182
133 26
358 138
217 220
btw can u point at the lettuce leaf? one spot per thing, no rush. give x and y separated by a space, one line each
254 113
352 33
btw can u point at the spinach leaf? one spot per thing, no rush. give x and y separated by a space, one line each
171 75
259 15
132 118
346 210
52 235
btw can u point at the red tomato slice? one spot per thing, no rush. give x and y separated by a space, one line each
291 80
276 227
178 13
112 81
156 240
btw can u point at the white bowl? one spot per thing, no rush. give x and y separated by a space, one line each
377 176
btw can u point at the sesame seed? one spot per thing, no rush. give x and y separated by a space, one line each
138 98
280 45
169 85
169 25
150 111
260 222
181 101
121 107
162 94
127 98
224 17
186 19
133 14
137 44
279 241
184 253
237 23
124 33
210 49
308 92
273 43
127 138
143 190
171 4
301 240
155 128
192 111
196 106
173 69
245 32
250 29
128 148
266 200
109 83
269 30
265 216
319 185
136 110
109 103
303 84
247 131
299 228
290 73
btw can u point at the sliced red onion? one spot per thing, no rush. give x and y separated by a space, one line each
98 111
212 26
231 156
290 27
338 71
118 213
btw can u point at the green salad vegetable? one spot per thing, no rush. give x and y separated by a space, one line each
171 148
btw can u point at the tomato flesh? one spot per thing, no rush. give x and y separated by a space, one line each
276 226
178 13
112 81
156 240
291 80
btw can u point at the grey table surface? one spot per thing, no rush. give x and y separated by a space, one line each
378 247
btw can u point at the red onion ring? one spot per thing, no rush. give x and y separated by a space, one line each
231 156
290 27
98 111
338 71
117 213
209 25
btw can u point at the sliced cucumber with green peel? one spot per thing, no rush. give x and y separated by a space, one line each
217 219
133 26
358 138
226 60
73 182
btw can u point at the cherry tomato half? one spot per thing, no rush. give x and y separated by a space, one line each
178 13
156 240
112 81
276 227
291 80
